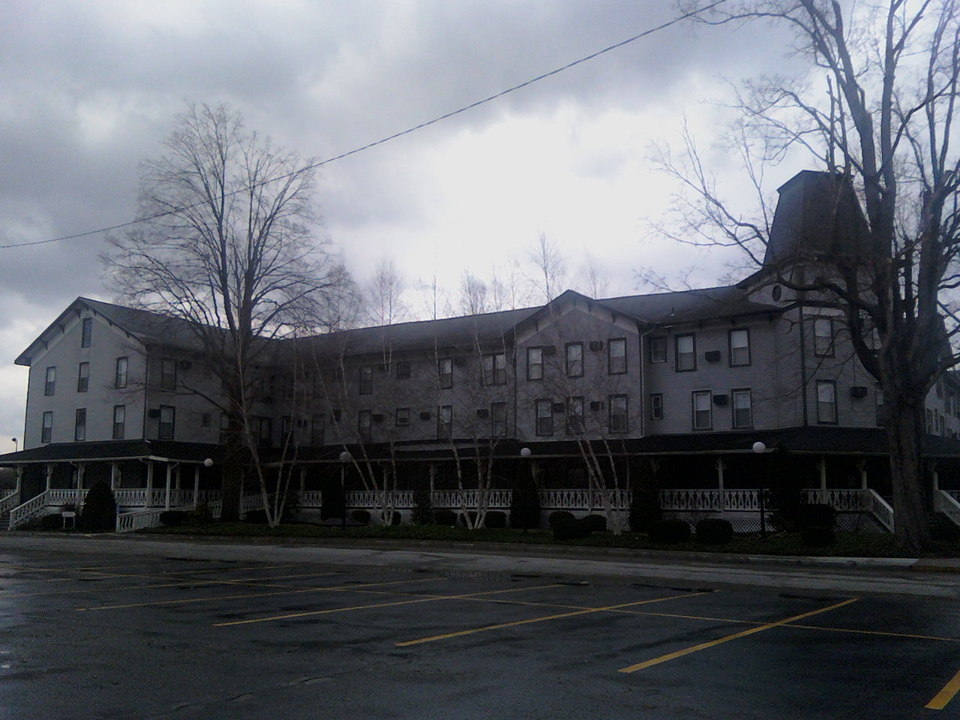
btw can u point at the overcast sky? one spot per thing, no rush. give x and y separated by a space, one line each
88 89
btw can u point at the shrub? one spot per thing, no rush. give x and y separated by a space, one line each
99 508
361 516
567 527
644 509
817 536
495 520
942 529
396 518
256 516
595 523
714 531
525 507
559 516
422 508
51 522
816 515
670 531
447 518
171 518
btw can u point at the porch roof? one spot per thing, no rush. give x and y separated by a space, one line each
115 450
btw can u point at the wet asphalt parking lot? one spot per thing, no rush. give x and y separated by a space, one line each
172 635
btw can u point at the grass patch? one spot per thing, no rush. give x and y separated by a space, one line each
851 544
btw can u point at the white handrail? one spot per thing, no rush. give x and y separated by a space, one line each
879 508
132 521
28 510
945 501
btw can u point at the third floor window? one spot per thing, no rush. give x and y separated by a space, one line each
168 374
617 356
739 347
445 370
120 380
494 369
83 377
50 381
686 353
575 359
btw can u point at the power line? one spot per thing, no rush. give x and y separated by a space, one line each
383 140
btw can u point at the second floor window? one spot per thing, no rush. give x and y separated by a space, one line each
445 370
445 422
702 411
80 427
823 337
535 363
742 409
494 369
50 381
365 425
168 374
402 416
739 347
317 427
83 377
574 415
366 380
86 332
168 416
575 359
686 353
619 409
544 417
498 419
617 356
656 406
826 402
120 379
119 421
658 349
46 430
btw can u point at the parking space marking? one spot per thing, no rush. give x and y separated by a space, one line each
371 606
943 698
735 636
542 618
291 591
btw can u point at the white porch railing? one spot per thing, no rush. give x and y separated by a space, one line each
310 498
9 502
583 499
373 499
28 510
133 521
948 503
496 498
710 500
841 500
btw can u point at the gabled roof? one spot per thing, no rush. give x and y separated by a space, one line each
688 306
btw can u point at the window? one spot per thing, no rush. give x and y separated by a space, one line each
742 409
119 420
445 422
261 428
50 381
80 426
168 374
881 411
498 419
656 406
618 413
365 425
617 356
317 428
403 369
574 415
168 416
366 380
86 332
120 377
46 430
445 369
83 377
658 349
544 417
686 353
702 411
739 348
826 401
823 337
402 416
494 369
575 359
534 363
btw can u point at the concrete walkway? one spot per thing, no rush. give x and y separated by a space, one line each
927 577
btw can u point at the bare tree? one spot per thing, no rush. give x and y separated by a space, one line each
876 111
227 245
384 295
473 294
549 273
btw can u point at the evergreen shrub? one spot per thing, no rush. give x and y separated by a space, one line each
361 516
644 509
99 511
567 527
714 531
595 523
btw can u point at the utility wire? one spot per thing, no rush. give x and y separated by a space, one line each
388 138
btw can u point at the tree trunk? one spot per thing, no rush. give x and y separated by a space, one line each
234 457
905 424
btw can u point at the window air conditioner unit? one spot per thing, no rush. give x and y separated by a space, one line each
378 417
858 391
721 400
596 345
425 415
596 405
712 356
482 412
559 407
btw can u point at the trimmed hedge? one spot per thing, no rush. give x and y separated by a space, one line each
361 516
595 523
670 531
714 531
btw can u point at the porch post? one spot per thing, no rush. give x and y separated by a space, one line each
432 472
19 479
823 472
114 475
148 500
721 465
303 479
935 476
196 484
862 467
49 474
176 477
166 497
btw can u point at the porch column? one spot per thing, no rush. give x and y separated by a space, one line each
166 497
148 500
862 467
49 474
935 476
19 479
432 472
114 475
303 479
721 466
823 472
176 477
196 484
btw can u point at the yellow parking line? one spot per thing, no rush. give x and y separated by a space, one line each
542 618
397 603
212 598
943 698
728 638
